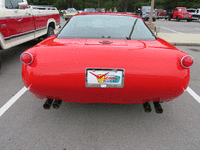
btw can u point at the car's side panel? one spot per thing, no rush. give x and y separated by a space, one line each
18 27
19 22
22 25
43 19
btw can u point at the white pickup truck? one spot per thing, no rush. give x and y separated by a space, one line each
19 23
197 14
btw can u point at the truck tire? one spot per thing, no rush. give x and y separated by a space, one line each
169 18
154 19
50 31
177 19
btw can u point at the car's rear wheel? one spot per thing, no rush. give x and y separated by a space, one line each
154 19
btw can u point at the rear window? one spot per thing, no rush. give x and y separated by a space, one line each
105 26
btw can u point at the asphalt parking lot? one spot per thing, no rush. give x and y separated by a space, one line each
26 125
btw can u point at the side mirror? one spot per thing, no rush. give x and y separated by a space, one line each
23 5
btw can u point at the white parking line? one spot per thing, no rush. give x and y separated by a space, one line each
172 30
12 101
193 94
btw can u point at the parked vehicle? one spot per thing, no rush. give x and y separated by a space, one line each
106 58
144 13
161 14
80 11
89 10
42 7
181 13
193 12
196 14
69 12
170 13
100 10
20 24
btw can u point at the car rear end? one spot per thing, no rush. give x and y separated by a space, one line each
134 75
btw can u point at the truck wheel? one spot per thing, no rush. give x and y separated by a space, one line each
50 31
169 18
154 19
177 19
188 20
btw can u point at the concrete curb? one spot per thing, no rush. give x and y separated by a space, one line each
183 39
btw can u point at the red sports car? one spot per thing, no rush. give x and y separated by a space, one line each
105 58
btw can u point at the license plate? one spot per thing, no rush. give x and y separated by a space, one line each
104 78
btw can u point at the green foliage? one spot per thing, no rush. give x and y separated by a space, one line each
121 5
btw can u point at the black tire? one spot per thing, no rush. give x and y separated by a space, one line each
154 19
177 19
50 31
188 20
169 18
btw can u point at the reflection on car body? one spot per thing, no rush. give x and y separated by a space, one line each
106 58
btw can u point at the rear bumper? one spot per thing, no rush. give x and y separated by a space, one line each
137 88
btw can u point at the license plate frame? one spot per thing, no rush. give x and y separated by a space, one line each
104 78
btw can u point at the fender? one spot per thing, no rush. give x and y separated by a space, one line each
51 22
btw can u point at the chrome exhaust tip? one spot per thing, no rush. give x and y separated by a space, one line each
47 104
158 108
147 107
56 104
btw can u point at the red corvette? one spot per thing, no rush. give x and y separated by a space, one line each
106 58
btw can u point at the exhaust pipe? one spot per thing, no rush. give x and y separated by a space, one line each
57 103
47 104
147 107
158 108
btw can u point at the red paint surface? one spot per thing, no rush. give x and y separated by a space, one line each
19 25
153 70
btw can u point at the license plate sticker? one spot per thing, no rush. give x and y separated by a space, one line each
105 78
